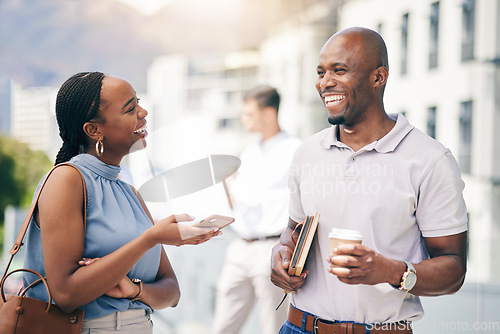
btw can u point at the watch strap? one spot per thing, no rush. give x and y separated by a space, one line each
410 267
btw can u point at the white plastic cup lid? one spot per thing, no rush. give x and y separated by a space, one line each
345 234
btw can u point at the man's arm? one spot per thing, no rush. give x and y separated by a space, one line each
443 273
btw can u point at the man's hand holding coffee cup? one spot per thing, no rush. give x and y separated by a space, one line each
354 263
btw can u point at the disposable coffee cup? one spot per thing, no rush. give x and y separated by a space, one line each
340 236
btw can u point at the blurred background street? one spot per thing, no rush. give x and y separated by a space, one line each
191 62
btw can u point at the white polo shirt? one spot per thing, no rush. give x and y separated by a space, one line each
395 191
260 188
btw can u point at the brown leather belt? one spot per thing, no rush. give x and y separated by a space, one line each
321 326
261 238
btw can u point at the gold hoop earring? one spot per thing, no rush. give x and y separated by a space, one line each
99 148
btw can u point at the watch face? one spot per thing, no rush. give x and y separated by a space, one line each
410 281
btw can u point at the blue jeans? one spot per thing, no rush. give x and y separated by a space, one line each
289 328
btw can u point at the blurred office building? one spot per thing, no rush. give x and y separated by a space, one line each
5 89
32 118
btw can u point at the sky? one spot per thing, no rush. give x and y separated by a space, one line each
147 7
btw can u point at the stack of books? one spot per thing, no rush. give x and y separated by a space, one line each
304 242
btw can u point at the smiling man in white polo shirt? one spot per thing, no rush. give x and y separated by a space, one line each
375 173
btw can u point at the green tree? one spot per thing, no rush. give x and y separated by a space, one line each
20 171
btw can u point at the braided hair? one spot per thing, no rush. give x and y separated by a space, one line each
78 101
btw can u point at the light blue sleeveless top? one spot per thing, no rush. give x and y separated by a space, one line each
114 217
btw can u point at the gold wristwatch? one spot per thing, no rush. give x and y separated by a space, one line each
409 278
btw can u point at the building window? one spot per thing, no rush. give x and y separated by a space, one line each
468 29
431 122
465 150
434 35
228 123
404 45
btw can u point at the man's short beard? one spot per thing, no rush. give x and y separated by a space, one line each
336 120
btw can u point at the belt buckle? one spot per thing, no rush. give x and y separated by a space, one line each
315 326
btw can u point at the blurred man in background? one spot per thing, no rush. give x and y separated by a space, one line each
259 195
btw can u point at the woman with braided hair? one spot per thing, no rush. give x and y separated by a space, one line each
116 270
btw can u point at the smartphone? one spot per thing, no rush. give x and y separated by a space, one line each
215 221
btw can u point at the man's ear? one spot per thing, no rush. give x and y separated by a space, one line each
270 113
92 130
381 74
